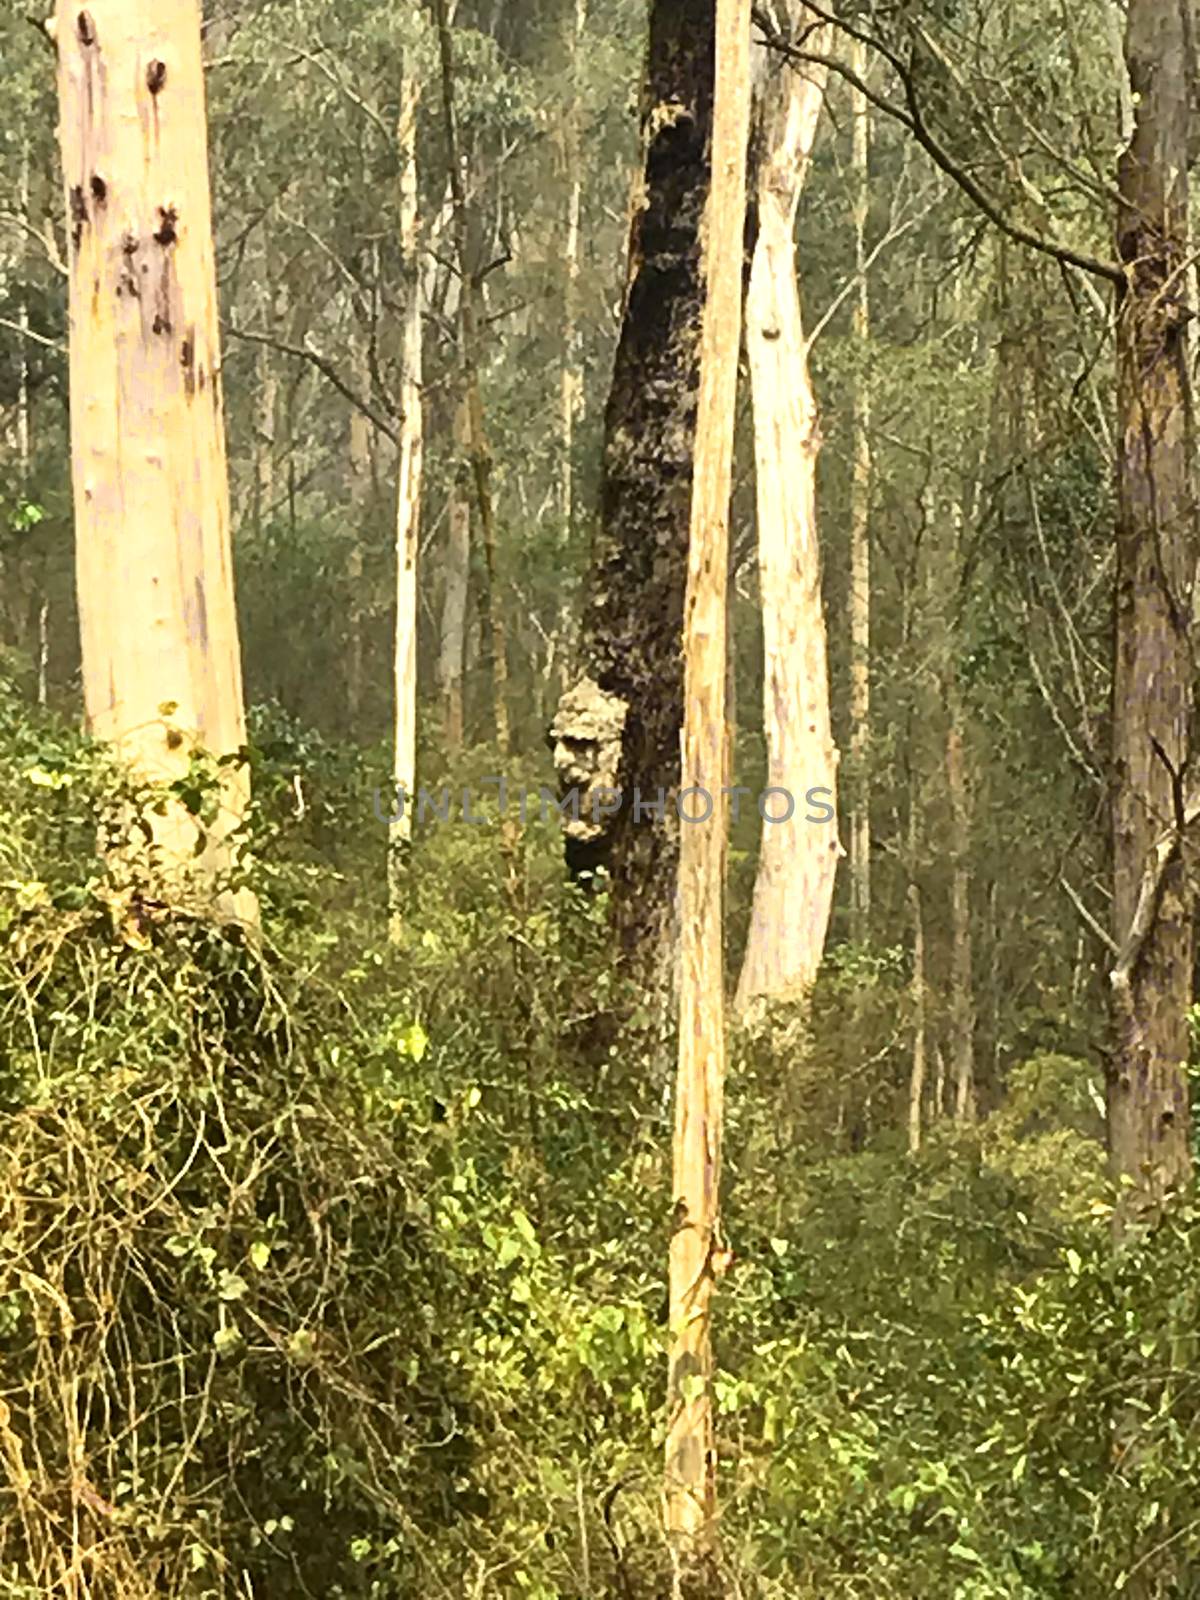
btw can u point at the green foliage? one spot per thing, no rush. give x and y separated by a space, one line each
349 1257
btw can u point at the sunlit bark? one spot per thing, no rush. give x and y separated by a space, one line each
161 662
697 1256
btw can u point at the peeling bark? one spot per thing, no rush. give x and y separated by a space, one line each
1153 695
797 867
698 1257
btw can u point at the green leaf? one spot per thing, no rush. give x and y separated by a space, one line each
226 1340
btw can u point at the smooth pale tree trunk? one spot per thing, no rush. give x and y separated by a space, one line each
962 976
797 866
939 1083
618 727
161 661
491 614
1153 692
571 386
917 1074
571 380
43 669
697 1256
408 505
452 652
860 528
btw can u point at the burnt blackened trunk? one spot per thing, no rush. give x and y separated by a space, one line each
1148 1111
632 685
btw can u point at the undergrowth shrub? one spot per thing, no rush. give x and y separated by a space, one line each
337 1268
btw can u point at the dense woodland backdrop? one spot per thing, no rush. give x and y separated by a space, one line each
332 1255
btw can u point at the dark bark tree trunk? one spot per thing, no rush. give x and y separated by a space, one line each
632 683
1148 1113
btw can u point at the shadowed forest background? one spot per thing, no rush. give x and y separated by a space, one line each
334 1233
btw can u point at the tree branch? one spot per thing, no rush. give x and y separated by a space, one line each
28 333
305 352
1105 938
911 117
1165 851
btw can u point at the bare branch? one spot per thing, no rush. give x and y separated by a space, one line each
911 117
28 333
1165 851
305 352
45 239
1105 938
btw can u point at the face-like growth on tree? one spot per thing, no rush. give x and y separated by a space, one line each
586 736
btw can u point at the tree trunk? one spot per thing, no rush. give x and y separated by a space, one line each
962 975
797 867
916 1081
452 655
697 1256
24 433
571 379
1148 1110
491 614
408 503
860 532
161 662
361 507
632 686
267 397
572 393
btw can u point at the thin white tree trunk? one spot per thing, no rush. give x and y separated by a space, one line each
571 381
962 979
408 503
572 394
161 661
793 891
860 532
916 1082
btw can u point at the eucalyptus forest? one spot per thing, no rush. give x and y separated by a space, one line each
598 840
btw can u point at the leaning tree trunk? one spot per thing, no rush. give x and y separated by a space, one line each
1152 708
408 505
697 1255
161 662
797 866
618 728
